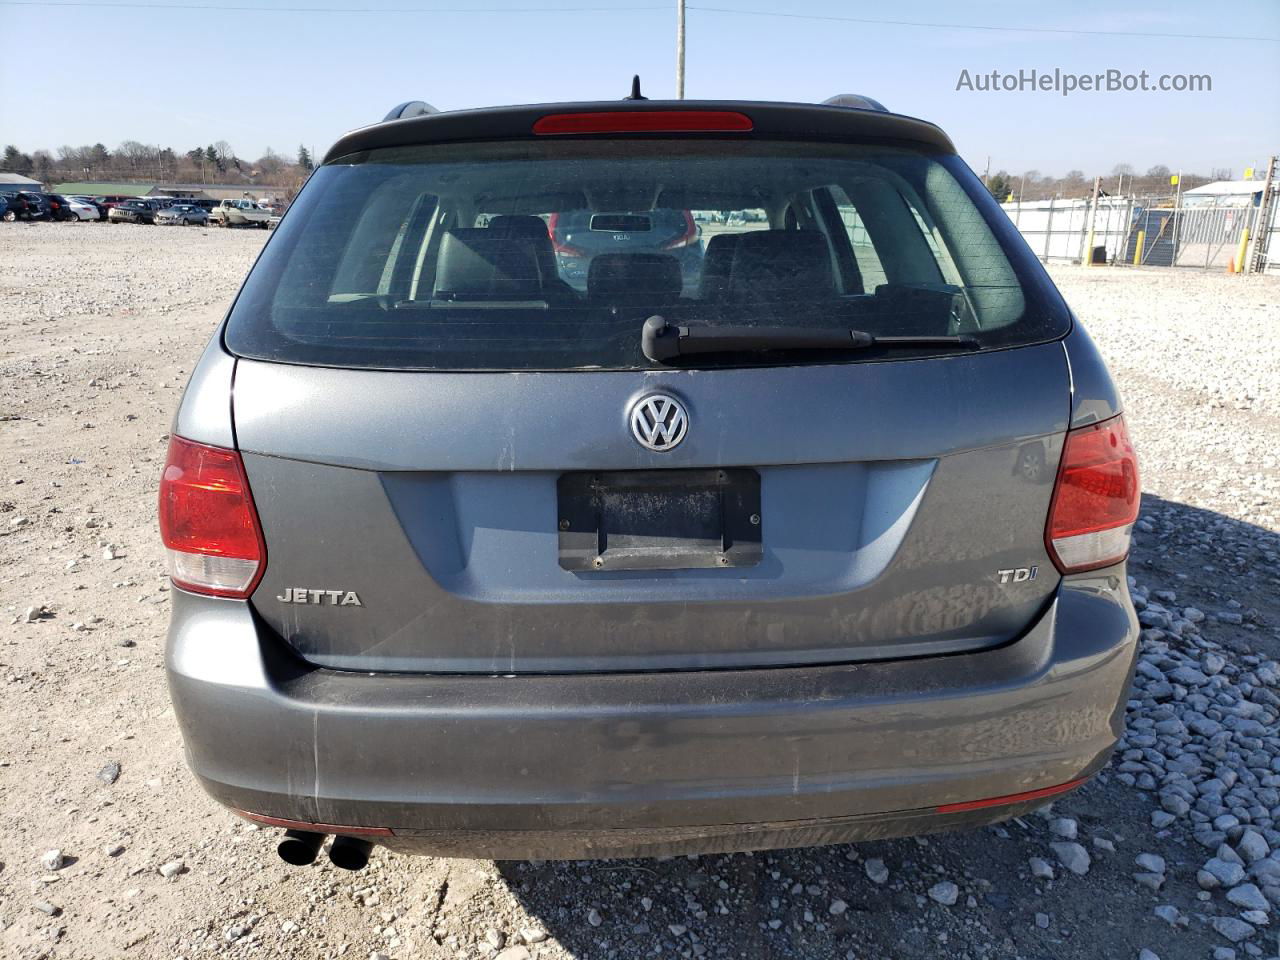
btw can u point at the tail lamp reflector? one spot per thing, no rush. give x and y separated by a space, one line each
208 522
564 249
1095 499
688 237
1011 798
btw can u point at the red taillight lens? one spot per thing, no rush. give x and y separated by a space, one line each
689 236
208 522
1011 798
563 249
647 121
1096 498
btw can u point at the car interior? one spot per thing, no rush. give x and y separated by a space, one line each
467 249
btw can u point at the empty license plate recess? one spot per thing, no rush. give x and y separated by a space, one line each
659 519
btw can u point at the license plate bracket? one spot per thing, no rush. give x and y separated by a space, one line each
659 519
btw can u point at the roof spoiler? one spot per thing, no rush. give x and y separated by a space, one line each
410 108
855 100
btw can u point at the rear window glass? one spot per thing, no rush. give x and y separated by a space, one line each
551 255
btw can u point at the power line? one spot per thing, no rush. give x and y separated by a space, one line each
224 7
977 26
736 11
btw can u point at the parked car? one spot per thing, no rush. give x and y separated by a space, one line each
239 213
111 200
25 205
4 205
70 208
59 208
181 213
579 236
99 208
133 211
479 564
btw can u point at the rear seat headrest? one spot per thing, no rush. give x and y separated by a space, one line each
476 264
627 277
511 225
772 264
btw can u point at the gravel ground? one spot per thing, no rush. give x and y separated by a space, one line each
109 850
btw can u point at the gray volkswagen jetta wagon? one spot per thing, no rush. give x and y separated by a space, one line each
815 534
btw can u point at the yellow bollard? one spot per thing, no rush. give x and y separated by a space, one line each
1137 250
1087 259
1240 251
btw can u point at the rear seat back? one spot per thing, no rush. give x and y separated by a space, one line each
625 279
534 230
774 265
474 264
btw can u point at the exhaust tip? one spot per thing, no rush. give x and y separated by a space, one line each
300 847
350 853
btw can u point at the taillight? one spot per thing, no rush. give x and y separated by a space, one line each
1095 499
689 235
208 522
563 249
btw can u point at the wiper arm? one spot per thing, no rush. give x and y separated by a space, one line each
662 341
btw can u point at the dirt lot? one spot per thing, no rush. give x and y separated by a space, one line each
99 328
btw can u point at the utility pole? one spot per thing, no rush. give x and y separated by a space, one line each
679 49
1086 257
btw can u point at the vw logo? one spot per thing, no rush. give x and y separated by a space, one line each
659 422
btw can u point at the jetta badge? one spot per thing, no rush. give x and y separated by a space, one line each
659 422
334 598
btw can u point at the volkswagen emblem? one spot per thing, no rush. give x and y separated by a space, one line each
659 422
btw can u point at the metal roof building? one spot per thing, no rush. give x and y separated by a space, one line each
16 181
1230 193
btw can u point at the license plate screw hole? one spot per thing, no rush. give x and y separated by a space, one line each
755 519
722 559
564 524
598 562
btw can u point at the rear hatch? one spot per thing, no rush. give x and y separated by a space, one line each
462 463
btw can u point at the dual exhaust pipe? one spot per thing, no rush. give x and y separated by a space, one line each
301 847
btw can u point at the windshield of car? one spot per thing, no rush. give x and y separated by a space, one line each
550 255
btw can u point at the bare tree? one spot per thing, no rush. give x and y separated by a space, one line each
270 164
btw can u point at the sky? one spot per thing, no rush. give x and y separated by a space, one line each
181 73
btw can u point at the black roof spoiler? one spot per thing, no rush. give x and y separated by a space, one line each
845 118
420 108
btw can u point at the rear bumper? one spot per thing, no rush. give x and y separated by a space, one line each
644 764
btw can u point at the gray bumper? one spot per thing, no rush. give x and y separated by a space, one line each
626 764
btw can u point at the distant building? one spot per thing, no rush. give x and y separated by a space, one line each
10 182
194 191
1225 193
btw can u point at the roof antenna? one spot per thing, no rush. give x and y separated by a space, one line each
635 89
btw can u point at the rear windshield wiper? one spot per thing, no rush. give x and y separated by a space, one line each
662 341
